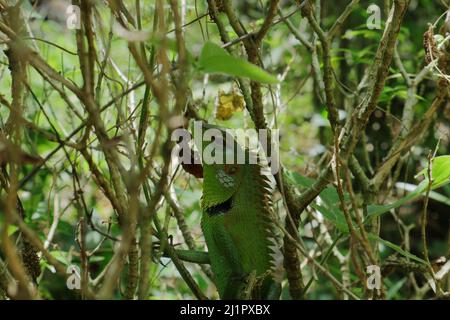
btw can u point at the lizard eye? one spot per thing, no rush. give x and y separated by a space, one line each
231 169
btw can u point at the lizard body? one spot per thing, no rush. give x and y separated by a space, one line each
237 223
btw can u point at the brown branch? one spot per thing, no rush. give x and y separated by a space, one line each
270 15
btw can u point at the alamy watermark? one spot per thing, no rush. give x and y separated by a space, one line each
374 278
227 146
374 20
73 280
73 20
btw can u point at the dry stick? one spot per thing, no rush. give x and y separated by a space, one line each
356 261
300 37
268 20
179 216
159 93
353 235
77 191
145 216
317 264
359 221
37 62
181 85
365 183
185 274
119 259
81 232
402 142
424 216
329 95
340 21
23 288
323 261
160 187
246 36
36 169
344 208
133 252
379 71
17 263
127 212
87 66
87 58
119 10
145 245
424 221
6 279
290 252
406 121
133 271
52 44
100 179
61 93
415 133
377 79
333 116
380 66
317 74
408 135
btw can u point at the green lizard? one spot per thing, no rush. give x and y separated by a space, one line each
237 222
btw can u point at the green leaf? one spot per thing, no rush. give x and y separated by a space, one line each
377 210
301 181
440 172
364 33
439 197
60 256
440 175
97 259
11 229
394 289
396 248
336 217
215 59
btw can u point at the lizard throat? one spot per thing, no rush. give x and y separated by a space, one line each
221 208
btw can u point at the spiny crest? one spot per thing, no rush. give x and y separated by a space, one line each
266 182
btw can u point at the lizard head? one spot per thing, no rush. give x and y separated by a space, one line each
222 173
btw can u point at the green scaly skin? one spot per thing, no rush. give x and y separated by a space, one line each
238 227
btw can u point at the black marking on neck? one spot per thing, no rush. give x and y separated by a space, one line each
221 208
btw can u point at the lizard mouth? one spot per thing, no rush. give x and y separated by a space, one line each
221 208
